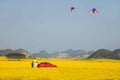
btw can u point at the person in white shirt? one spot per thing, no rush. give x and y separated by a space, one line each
34 64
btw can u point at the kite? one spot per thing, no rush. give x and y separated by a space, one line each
72 9
94 11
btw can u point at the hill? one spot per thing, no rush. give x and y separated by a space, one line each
42 54
7 51
100 54
23 51
106 54
70 53
114 55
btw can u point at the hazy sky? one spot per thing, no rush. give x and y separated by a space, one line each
48 24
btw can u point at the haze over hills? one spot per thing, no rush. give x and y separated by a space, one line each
42 53
70 53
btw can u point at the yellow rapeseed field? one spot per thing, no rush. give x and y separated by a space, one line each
68 69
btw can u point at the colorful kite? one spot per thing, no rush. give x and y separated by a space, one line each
73 9
93 11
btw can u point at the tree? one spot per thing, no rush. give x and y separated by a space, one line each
15 56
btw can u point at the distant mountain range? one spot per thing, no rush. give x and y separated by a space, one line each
63 54
70 53
99 54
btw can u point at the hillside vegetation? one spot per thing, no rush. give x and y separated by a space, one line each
106 54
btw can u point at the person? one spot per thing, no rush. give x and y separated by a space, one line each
34 64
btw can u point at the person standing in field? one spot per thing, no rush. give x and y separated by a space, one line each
34 64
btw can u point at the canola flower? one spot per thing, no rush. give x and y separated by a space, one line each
67 69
